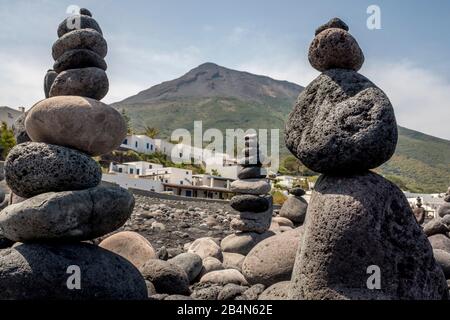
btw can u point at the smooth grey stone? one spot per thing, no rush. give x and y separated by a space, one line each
20 133
335 49
250 203
41 271
294 209
243 242
342 123
49 78
359 221
79 58
77 22
333 23
80 39
252 222
86 82
67 216
33 168
440 241
191 263
166 277
231 291
437 226
251 186
278 291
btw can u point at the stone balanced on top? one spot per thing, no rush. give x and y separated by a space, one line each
62 202
252 202
342 126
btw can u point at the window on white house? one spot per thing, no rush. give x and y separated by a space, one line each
125 141
148 145
181 182
137 171
136 144
131 171
151 147
120 170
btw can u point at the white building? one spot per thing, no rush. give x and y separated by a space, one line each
154 177
221 163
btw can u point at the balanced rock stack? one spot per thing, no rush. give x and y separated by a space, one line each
252 202
63 203
342 126
419 211
294 208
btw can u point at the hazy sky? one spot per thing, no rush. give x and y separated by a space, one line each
154 41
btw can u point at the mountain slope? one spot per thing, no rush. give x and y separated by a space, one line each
227 99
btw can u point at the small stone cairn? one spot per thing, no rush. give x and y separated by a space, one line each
57 183
358 224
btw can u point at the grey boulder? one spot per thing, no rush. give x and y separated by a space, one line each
69 215
33 168
80 39
79 58
250 203
86 82
42 271
348 229
444 209
342 123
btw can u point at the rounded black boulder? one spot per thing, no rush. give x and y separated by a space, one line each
78 22
41 271
349 229
250 203
33 168
342 123
79 58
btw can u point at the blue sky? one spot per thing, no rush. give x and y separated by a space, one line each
154 41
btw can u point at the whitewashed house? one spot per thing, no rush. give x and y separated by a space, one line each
139 143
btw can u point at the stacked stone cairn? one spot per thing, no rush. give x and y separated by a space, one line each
62 205
252 201
294 208
357 222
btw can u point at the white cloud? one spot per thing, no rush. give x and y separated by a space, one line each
421 98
